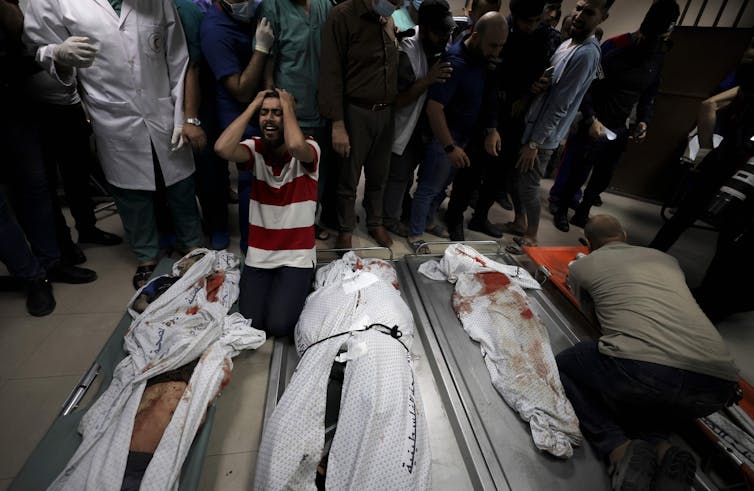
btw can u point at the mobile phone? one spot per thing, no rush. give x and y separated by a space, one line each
548 73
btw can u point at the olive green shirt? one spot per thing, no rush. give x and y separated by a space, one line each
646 311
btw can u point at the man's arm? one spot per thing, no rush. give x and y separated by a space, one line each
331 74
436 115
228 145
177 59
192 101
294 138
439 73
707 117
586 303
242 86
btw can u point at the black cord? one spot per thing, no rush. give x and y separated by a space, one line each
394 332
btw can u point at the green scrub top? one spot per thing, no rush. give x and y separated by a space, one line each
191 19
116 4
296 53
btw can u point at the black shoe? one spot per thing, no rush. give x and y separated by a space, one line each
485 227
560 219
97 236
554 208
597 201
39 299
72 255
63 273
636 469
580 218
455 232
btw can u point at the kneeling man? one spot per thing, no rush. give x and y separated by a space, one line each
659 360
281 255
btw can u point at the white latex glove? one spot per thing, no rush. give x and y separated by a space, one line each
177 140
76 51
264 36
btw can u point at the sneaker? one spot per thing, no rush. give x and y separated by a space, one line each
39 299
486 227
636 470
97 236
676 471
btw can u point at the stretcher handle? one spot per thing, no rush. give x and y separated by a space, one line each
446 243
78 392
357 249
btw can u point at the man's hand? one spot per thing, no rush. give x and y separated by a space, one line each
540 85
259 98
195 136
286 100
492 143
76 51
439 73
639 133
264 37
458 158
596 130
340 141
527 157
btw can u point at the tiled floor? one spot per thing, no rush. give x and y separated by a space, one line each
42 358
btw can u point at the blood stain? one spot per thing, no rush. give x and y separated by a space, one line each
192 310
527 314
492 281
214 282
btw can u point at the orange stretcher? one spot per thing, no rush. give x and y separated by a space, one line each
556 260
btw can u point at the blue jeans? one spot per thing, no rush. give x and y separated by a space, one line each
617 399
436 174
274 298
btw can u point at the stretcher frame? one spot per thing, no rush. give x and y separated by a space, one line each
57 446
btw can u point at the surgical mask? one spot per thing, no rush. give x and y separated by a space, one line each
383 8
243 11
417 4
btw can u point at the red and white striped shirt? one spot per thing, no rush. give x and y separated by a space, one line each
282 208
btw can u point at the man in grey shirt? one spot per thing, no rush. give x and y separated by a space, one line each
659 359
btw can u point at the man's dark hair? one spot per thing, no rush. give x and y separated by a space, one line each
475 3
660 17
526 9
271 94
550 7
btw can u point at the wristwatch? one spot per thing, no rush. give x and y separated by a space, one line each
193 121
534 145
450 148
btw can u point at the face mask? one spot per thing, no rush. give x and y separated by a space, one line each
243 11
417 4
383 8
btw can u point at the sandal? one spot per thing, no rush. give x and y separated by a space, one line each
142 275
510 228
320 233
523 242
418 246
517 248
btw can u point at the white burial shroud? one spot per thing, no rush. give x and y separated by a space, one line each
494 311
188 321
381 439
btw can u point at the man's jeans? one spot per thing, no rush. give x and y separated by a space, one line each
527 186
617 399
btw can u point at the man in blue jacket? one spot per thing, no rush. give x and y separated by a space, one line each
574 66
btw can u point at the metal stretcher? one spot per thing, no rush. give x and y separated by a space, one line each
494 444
60 442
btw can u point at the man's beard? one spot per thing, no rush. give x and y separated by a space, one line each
272 144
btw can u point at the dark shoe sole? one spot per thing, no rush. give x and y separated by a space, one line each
676 472
636 471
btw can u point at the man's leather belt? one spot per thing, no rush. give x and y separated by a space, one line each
370 107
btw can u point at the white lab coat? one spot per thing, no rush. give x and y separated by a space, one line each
134 89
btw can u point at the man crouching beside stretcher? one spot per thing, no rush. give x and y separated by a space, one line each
659 360
281 256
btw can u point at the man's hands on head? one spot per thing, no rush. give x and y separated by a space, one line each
76 51
340 141
264 37
458 158
287 101
527 157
